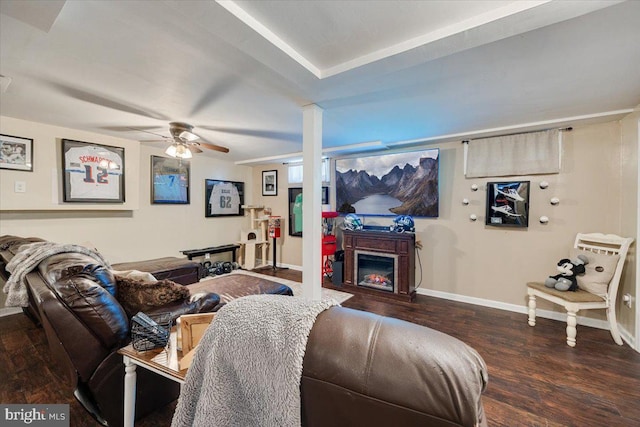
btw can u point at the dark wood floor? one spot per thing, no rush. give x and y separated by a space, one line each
535 379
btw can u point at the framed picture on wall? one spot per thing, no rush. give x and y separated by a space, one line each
270 183
93 173
295 212
169 181
389 184
325 195
295 209
16 153
508 204
223 198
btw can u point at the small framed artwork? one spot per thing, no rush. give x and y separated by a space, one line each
270 183
16 153
193 327
223 198
508 204
169 181
295 209
93 173
325 195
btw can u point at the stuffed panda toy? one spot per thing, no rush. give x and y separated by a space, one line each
569 269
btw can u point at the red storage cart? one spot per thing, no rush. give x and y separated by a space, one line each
328 242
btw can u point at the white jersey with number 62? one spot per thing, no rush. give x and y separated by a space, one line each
224 199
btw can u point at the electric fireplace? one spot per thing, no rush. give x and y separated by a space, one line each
380 263
376 270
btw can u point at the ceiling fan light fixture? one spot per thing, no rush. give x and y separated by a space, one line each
181 151
171 150
188 136
186 154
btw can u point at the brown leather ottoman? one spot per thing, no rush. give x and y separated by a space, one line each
180 270
236 285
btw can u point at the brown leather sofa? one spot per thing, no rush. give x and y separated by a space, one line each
362 369
359 368
73 299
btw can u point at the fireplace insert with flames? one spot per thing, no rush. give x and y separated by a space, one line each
375 270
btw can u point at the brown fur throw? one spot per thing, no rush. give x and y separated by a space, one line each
137 295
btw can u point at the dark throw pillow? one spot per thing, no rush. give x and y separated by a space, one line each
137 295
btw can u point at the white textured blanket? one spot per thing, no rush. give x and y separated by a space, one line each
247 369
28 258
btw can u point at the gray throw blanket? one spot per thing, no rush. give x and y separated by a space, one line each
28 258
248 366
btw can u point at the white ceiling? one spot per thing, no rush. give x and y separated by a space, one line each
392 71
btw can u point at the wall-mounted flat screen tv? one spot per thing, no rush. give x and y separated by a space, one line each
389 184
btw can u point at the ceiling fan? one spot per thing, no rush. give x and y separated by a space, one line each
184 142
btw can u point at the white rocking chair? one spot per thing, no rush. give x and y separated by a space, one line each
597 243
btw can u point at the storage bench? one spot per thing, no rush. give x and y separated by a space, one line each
180 270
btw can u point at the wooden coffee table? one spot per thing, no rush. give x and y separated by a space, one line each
162 361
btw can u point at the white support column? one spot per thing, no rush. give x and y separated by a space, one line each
312 202
636 310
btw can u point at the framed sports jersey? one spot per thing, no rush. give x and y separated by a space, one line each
223 198
169 180
93 173
295 209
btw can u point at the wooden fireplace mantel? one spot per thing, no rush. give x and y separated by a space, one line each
383 242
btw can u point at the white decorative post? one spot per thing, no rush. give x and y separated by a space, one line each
532 310
129 392
571 328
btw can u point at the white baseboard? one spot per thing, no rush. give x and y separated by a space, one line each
292 267
8 311
628 338
546 314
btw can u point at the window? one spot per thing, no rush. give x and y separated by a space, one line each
295 172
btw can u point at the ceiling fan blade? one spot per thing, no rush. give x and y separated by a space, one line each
130 128
104 101
215 92
261 133
214 147
152 133
166 141
194 148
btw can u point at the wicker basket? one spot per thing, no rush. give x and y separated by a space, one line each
149 332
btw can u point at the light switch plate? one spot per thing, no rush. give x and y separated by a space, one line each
20 187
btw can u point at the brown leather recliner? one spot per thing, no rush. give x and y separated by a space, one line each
85 326
362 369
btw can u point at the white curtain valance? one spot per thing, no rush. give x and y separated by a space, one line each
522 154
